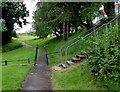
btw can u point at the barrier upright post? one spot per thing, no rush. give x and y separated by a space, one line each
35 60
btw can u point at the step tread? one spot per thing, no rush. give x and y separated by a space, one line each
88 48
81 56
64 65
75 59
56 68
83 53
70 62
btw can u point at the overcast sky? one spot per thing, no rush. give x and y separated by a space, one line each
30 4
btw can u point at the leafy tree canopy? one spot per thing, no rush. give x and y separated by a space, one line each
50 16
12 12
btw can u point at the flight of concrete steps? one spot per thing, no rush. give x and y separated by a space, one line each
73 61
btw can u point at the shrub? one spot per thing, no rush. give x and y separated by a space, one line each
11 46
104 59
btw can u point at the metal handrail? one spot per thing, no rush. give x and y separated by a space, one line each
89 34
79 36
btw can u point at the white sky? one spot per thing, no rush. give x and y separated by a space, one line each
30 4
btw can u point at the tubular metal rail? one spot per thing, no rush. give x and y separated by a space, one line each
89 34
93 28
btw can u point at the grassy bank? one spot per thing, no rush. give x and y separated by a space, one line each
77 78
14 74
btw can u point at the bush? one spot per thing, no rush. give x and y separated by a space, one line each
14 34
104 59
11 46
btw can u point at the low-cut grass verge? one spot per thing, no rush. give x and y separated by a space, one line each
13 76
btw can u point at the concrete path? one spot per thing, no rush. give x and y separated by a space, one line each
39 77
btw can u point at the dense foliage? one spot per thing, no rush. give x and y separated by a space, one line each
12 12
104 59
62 18
11 46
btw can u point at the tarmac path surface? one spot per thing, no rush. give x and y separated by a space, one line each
40 76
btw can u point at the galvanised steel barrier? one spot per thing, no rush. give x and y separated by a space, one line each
93 28
106 25
6 61
36 52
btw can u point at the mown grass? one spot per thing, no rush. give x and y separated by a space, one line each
19 54
13 76
25 37
15 72
77 78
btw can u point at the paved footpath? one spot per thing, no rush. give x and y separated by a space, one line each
26 44
39 77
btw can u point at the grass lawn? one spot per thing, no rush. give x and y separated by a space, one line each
77 78
25 38
14 74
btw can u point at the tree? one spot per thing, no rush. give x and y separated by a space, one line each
12 12
109 8
61 16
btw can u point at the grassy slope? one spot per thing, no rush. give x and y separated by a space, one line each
77 78
25 38
13 75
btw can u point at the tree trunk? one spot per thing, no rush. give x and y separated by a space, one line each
68 28
61 29
55 32
65 31
75 25
88 25
109 9
7 35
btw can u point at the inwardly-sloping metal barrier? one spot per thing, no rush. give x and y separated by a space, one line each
36 52
93 28
106 25
6 62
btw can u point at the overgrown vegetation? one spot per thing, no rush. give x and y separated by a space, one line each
11 46
104 59
12 12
